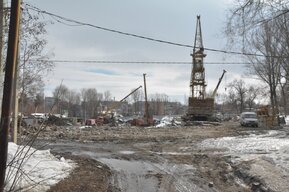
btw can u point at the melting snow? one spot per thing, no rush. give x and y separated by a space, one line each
39 169
273 147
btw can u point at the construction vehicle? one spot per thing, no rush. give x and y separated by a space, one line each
108 114
201 107
217 87
118 103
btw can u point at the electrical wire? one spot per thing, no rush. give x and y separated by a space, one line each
79 23
140 62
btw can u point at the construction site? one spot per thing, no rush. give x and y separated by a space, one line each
191 152
216 141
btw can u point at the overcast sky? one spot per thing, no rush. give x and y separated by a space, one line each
170 20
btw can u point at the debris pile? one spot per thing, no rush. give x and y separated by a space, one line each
168 121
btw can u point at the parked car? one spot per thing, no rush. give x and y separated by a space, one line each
249 119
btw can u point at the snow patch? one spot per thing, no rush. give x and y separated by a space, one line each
38 169
272 147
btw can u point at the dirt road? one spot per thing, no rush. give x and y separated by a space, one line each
196 158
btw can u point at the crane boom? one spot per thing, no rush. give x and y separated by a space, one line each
131 93
216 89
118 103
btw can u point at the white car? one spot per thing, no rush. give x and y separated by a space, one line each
249 119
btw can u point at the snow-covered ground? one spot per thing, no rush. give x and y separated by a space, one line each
37 169
272 147
267 154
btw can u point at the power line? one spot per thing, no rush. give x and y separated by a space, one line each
79 23
140 62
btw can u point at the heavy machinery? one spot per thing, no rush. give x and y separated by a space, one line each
201 107
117 104
107 116
217 87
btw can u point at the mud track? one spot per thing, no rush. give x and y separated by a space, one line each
165 159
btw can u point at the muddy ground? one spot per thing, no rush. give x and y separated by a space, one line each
168 159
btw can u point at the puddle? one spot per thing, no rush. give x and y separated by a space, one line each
133 176
138 175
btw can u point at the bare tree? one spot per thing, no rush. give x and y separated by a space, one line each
158 103
34 59
137 96
33 62
252 94
90 101
239 89
231 101
73 103
247 16
261 27
107 96
60 95
267 68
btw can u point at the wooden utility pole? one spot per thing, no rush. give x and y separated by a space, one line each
1 50
15 94
146 101
10 71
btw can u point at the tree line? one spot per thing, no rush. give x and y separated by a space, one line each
261 28
89 103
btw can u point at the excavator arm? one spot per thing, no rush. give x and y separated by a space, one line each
113 106
220 80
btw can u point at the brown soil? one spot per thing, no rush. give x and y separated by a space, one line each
212 169
89 175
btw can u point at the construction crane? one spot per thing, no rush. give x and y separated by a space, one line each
108 115
200 107
117 104
220 80
198 85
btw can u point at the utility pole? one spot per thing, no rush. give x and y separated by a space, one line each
10 71
146 101
15 102
1 50
15 106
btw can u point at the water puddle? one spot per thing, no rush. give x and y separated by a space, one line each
137 175
134 176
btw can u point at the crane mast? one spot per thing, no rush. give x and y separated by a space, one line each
200 107
198 84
